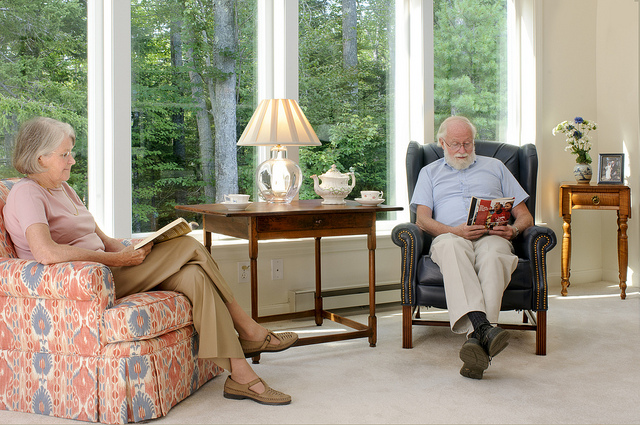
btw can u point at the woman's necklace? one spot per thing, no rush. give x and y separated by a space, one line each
63 191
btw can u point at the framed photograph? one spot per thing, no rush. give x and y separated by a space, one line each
611 168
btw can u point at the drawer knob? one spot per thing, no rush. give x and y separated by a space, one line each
595 199
319 222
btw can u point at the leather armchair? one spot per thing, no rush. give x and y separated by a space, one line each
421 279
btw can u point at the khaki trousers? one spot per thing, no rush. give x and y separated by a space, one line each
184 265
476 273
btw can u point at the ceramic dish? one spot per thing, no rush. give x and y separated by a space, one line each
231 206
369 202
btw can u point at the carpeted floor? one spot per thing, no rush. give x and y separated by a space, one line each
591 374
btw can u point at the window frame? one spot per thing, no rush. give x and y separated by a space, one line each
109 91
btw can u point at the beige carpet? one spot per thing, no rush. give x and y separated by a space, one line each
591 374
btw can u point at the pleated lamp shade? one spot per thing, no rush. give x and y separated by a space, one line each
278 123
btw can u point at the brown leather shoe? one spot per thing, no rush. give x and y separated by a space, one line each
271 397
254 348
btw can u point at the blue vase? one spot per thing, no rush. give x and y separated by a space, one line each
582 172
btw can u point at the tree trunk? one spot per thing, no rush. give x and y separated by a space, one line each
179 148
349 34
204 128
223 103
350 44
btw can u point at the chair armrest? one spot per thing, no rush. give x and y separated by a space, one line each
533 245
78 280
410 238
534 242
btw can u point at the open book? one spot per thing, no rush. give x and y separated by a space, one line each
490 212
177 227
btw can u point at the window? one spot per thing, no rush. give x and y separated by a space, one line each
470 64
192 94
43 71
400 67
344 87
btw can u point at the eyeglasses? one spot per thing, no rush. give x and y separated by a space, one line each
66 155
456 146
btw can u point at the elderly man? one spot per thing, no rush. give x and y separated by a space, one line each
476 262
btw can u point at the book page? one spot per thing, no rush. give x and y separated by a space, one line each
176 228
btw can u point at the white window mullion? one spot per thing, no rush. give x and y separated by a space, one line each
413 88
277 56
109 98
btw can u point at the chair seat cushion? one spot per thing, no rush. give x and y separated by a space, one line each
430 286
146 315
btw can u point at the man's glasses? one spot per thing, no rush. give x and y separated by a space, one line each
456 146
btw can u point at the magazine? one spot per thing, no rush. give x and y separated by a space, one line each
177 227
490 212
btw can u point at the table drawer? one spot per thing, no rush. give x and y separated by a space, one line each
314 222
604 199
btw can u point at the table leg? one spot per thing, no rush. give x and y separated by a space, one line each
318 295
566 254
622 253
373 321
253 259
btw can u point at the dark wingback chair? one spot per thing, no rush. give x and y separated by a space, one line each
421 279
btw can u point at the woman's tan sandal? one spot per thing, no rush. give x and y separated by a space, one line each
270 396
254 348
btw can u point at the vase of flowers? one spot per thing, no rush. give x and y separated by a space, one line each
577 137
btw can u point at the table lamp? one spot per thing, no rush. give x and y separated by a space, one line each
278 123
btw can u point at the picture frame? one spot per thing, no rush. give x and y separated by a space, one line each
611 168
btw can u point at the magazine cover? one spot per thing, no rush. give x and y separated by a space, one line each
490 212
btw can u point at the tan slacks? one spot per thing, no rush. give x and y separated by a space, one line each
184 265
476 273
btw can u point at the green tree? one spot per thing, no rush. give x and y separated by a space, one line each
470 63
346 98
43 71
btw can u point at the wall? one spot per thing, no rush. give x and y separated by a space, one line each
590 64
590 69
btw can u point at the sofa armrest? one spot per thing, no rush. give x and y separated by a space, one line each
78 280
410 239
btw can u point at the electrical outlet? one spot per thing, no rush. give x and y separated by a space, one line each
277 269
244 272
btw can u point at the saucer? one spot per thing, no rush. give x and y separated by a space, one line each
369 202
237 206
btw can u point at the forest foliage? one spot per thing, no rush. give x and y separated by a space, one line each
194 88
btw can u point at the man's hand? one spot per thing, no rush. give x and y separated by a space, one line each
471 233
504 231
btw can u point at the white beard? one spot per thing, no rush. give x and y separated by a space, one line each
460 161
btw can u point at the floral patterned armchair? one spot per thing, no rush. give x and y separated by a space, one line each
68 348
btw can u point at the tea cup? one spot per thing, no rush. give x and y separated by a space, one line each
236 198
371 195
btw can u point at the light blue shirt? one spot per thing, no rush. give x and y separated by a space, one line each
448 191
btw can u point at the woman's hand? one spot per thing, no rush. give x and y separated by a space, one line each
130 256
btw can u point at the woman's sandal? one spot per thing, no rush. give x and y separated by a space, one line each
255 348
271 397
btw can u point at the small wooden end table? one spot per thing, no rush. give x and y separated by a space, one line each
595 197
299 219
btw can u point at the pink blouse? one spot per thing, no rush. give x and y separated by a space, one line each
61 209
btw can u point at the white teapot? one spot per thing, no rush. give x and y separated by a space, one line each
334 187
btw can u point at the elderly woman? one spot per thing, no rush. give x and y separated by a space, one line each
49 223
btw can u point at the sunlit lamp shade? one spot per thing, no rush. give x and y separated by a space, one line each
278 123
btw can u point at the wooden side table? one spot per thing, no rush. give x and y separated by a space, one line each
595 197
299 219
